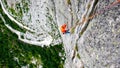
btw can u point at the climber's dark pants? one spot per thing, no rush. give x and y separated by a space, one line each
67 31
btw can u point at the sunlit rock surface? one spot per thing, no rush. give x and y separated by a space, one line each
100 47
93 44
37 18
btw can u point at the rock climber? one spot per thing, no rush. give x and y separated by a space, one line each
64 29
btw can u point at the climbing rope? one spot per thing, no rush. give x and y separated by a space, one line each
92 16
101 11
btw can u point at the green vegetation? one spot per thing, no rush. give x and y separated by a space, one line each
25 5
72 30
68 2
76 48
5 2
17 13
78 55
11 23
15 54
51 23
18 9
11 47
88 6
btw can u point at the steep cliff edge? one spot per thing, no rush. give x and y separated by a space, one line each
99 46
94 41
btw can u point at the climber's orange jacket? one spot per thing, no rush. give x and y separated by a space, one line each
63 28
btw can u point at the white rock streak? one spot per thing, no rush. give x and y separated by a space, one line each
47 41
18 23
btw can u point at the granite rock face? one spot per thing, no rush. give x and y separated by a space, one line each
94 41
99 46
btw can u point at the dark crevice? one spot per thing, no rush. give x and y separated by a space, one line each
87 23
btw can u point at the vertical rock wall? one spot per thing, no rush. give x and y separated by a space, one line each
94 42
